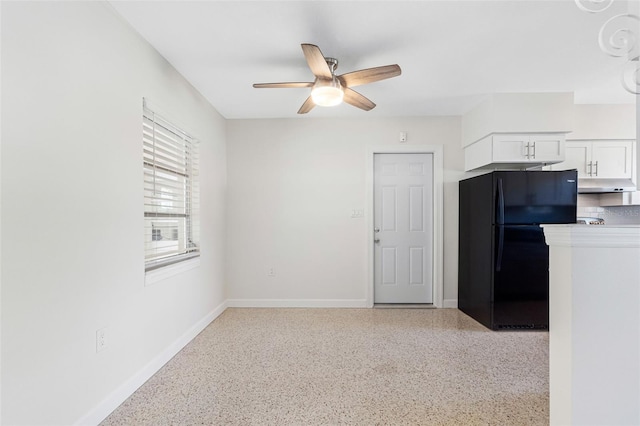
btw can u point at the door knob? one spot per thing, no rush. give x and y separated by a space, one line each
376 229
376 240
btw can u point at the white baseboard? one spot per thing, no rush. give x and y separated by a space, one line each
297 303
450 303
117 397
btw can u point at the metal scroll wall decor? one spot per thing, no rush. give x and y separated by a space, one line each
619 38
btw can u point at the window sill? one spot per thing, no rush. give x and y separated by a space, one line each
168 271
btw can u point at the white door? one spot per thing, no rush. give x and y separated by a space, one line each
403 228
510 147
546 147
577 155
612 159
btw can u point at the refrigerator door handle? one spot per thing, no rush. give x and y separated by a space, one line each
500 224
500 248
500 212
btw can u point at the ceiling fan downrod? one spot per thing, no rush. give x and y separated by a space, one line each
333 64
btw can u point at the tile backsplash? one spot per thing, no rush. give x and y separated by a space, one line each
621 215
589 205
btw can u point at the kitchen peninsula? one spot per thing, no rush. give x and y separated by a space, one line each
594 324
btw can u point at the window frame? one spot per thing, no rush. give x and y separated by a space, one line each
171 193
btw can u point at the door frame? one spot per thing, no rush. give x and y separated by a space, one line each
438 246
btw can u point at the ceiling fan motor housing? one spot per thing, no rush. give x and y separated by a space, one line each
333 64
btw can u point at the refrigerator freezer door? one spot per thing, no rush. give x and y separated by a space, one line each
535 197
521 285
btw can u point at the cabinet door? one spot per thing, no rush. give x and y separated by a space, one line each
577 155
545 148
612 159
510 148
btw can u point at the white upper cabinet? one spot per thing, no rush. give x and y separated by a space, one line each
528 148
599 159
515 150
612 159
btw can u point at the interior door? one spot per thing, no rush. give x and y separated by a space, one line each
403 228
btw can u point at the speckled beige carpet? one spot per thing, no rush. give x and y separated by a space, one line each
348 366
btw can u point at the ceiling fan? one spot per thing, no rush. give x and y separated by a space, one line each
329 89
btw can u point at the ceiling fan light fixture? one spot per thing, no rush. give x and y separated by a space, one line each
327 92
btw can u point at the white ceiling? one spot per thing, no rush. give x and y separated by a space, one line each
452 53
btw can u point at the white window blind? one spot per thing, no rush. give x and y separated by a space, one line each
171 192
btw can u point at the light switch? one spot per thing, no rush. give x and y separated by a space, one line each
355 213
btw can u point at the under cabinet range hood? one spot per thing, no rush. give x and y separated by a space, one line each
593 186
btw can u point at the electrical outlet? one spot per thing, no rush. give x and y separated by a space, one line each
271 272
101 339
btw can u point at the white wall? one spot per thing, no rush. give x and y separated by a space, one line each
292 186
518 113
604 122
73 79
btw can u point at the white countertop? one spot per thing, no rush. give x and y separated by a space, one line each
575 235
589 227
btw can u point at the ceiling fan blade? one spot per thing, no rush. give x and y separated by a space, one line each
306 106
357 100
281 85
369 75
316 61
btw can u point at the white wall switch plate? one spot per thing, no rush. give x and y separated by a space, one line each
355 213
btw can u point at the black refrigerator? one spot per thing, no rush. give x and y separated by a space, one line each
503 269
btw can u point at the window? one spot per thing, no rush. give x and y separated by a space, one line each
171 193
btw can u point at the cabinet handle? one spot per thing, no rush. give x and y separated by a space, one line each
596 166
590 167
525 150
534 150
